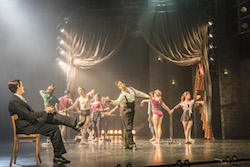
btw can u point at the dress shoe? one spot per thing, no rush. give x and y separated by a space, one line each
131 147
60 160
134 147
125 147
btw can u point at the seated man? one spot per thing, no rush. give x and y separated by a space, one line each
43 122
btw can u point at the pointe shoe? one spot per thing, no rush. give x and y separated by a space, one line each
83 143
157 141
77 138
47 143
153 139
192 140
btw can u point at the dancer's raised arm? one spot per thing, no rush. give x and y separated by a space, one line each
145 101
175 107
91 93
73 106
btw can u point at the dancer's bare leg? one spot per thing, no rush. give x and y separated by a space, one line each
159 128
184 123
156 122
63 132
189 129
84 129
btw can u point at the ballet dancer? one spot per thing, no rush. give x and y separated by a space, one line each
157 103
187 117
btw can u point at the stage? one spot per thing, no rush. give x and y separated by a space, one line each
111 153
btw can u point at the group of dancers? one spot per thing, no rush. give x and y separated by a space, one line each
155 114
92 110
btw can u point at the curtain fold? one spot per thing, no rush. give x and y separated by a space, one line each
183 40
91 41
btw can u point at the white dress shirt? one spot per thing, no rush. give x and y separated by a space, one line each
21 97
130 95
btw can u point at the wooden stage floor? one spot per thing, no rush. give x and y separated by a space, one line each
111 153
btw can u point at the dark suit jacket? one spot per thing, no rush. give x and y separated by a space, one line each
27 119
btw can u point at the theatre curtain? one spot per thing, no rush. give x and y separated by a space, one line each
179 38
183 40
93 40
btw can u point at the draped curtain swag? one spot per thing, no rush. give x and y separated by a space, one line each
94 40
183 40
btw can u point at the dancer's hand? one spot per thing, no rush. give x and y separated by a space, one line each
142 102
198 96
107 99
171 111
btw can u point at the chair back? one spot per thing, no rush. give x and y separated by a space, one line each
14 118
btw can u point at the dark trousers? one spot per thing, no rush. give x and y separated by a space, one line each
105 124
54 133
48 127
128 120
122 126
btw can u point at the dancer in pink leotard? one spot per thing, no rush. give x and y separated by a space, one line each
157 103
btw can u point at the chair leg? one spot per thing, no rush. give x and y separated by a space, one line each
39 157
13 152
38 138
37 151
16 150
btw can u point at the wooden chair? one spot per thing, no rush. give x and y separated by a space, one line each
20 138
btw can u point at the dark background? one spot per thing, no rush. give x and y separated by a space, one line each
28 52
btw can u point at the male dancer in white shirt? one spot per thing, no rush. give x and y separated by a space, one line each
128 95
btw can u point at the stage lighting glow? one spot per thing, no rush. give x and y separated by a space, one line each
243 9
62 30
159 59
115 131
133 132
119 132
211 46
60 62
102 131
173 82
62 52
211 58
244 25
61 41
225 71
211 35
210 23
111 132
